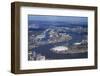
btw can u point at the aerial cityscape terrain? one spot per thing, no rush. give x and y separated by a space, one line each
57 37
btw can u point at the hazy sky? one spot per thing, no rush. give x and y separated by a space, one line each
69 19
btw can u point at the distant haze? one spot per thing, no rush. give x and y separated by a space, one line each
68 19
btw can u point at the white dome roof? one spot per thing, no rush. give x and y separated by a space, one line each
60 48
